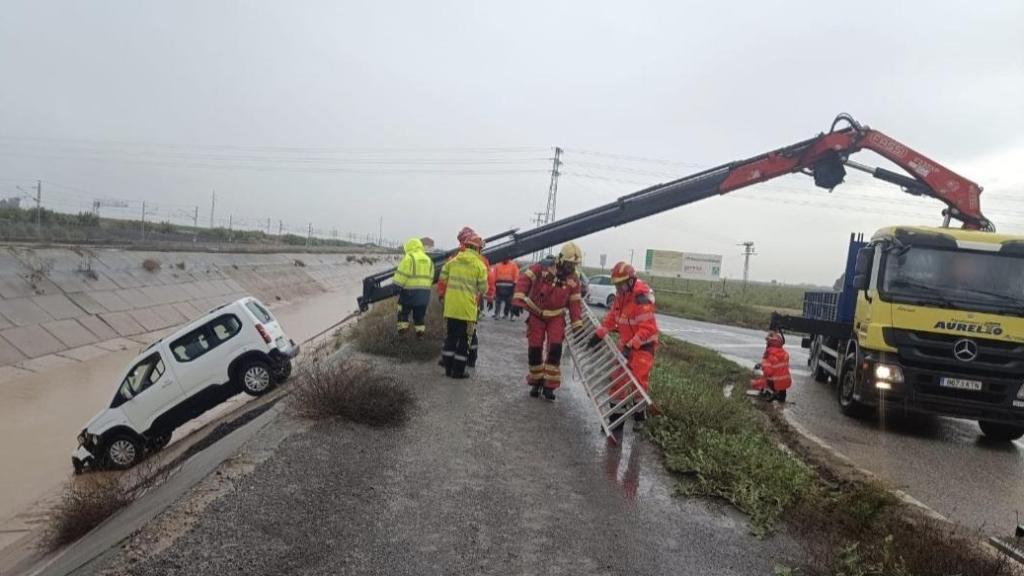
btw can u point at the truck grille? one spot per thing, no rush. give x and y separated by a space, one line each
929 356
935 351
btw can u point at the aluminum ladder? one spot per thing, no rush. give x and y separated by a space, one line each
600 368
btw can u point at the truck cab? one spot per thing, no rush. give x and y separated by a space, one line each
929 320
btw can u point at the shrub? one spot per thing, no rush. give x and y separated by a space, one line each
180 265
300 263
90 499
151 264
376 333
353 390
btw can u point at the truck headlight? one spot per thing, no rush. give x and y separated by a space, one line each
82 438
1020 392
888 373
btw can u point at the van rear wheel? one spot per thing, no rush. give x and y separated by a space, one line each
1001 432
255 378
282 371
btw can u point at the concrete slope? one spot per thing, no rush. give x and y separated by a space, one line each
62 304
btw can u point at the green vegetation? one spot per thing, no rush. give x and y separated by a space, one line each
726 301
730 448
728 310
376 333
720 444
44 225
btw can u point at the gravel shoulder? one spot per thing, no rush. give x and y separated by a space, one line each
481 480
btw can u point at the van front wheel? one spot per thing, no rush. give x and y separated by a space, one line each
122 452
255 377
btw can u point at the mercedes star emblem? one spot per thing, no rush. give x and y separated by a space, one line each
965 350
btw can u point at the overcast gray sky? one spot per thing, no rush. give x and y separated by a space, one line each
440 114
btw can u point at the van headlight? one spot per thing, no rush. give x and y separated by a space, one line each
888 373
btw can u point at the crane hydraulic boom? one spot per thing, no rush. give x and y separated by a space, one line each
823 157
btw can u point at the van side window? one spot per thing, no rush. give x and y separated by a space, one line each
225 327
261 313
205 338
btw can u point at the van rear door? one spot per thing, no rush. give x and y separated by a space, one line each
263 316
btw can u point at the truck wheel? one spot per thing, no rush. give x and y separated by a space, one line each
819 373
610 301
122 452
282 371
1000 432
848 405
254 377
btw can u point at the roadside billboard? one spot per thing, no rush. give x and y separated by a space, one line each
688 265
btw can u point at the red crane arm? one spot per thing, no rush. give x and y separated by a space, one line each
825 156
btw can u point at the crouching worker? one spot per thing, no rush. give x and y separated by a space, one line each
414 277
774 378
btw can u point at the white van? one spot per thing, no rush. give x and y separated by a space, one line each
238 347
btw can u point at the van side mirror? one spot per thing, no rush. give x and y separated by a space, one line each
862 271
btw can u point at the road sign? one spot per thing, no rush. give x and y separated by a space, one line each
689 265
604 260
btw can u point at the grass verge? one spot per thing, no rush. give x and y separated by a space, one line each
351 389
722 310
731 449
376 333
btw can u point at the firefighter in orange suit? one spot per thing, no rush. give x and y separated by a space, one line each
775 378
506 274
547 290
632 315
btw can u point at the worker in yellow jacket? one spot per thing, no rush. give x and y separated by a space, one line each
414 277
465 276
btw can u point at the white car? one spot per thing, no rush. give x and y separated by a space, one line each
601 291
238 347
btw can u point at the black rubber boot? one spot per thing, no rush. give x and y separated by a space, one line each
549 393
535 391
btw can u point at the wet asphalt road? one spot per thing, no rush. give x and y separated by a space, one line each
942 462
482 480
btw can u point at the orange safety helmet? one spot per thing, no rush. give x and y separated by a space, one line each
622 271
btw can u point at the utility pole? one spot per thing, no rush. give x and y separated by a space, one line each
748 251
280 228
309 234
39 208
268 226
231 223
538 219
549 213
213 203
380 232
143 220
630 256
195 225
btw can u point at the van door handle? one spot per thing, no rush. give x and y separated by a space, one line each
167 383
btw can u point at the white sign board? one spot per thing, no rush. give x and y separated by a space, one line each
688 265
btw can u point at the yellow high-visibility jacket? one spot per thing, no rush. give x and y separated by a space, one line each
466 279
415 275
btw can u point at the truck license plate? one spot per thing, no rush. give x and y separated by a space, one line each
960 384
